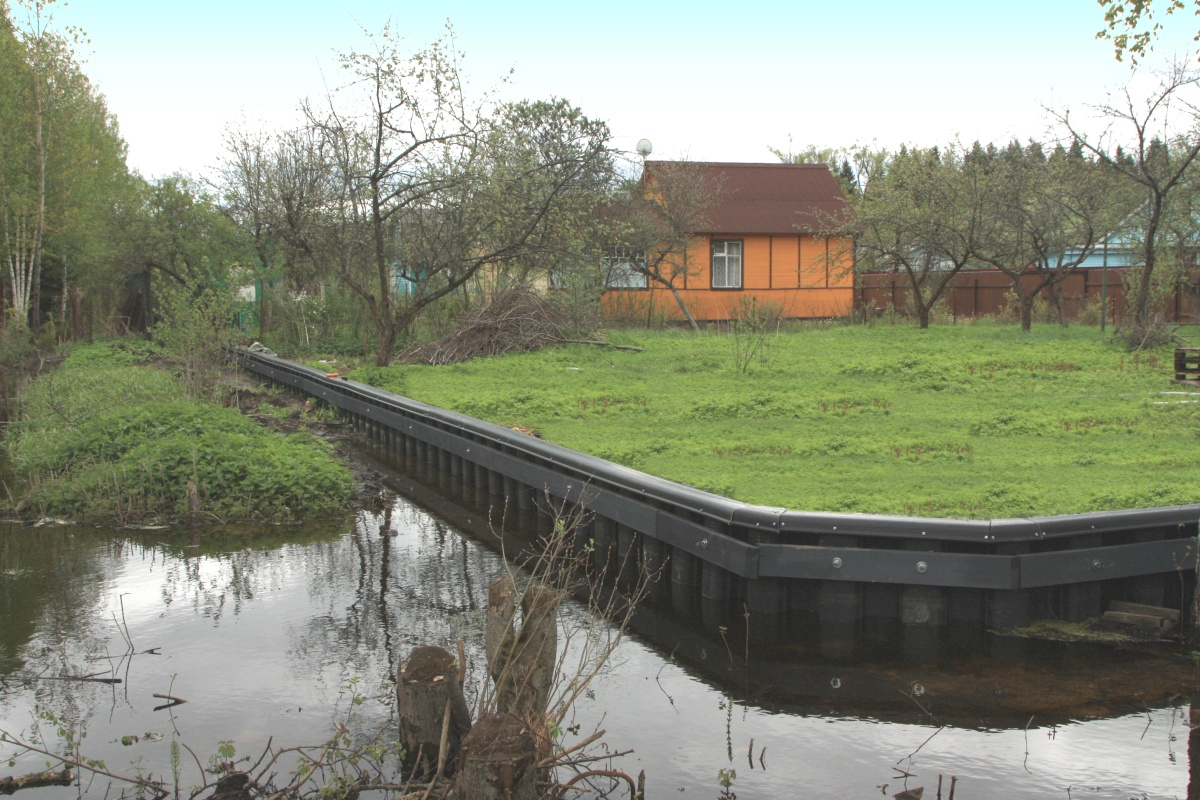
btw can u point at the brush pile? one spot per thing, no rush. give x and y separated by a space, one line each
515 321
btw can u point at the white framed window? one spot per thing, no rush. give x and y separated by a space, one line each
625 268
726 263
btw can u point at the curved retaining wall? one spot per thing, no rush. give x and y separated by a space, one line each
711 554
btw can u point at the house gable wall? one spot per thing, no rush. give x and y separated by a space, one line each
802 275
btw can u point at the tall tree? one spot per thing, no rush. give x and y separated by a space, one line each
61 161
409 140
173 229
244 183
403 191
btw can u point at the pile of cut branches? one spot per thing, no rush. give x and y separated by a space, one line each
515 321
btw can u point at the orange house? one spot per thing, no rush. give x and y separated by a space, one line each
760 237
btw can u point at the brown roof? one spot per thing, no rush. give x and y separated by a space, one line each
769 198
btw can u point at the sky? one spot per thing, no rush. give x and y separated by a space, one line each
700 80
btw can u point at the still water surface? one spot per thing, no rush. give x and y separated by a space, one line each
260 631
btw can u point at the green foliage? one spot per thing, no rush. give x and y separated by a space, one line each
62 164
1133 27
111 436
106 438
389 378
94 380
963 421
196 323
239 473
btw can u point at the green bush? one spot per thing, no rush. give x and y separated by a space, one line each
238 474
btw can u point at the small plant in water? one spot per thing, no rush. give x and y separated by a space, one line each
725 779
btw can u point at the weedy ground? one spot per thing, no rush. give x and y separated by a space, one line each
108 436
956 421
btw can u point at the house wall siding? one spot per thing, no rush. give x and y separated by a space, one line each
786 258
756 261
798 274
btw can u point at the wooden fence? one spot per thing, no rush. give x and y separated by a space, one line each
978 293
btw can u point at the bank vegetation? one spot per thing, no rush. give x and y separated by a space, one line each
108 435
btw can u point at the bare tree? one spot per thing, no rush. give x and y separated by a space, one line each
664 215
403 192
1156 157
919 215
1040 216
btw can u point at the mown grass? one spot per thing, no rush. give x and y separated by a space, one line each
107 437
956 421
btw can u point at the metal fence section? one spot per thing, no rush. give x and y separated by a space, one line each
980 292
708 555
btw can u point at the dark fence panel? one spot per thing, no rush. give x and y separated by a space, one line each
979 293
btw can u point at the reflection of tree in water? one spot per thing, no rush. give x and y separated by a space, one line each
53 587
55 593
219 571
400 579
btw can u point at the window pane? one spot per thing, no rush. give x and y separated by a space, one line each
625 269
726 264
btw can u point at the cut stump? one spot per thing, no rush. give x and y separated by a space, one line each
498 762
426 686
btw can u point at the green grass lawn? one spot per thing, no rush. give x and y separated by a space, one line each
956 421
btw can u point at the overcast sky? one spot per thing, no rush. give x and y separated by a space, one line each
703 81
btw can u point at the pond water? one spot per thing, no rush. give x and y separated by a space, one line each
263 631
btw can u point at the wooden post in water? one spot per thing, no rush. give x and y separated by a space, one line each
501 752
497 497
1148 590
922 610
766 598
483 485
526 511
881 617
411 454
964 619
1008 608
627 557
421 463
467 470
544 514
456 475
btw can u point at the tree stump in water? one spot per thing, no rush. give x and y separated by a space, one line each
522 663
427 688
498 762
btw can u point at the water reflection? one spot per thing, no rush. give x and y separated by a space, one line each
261 629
